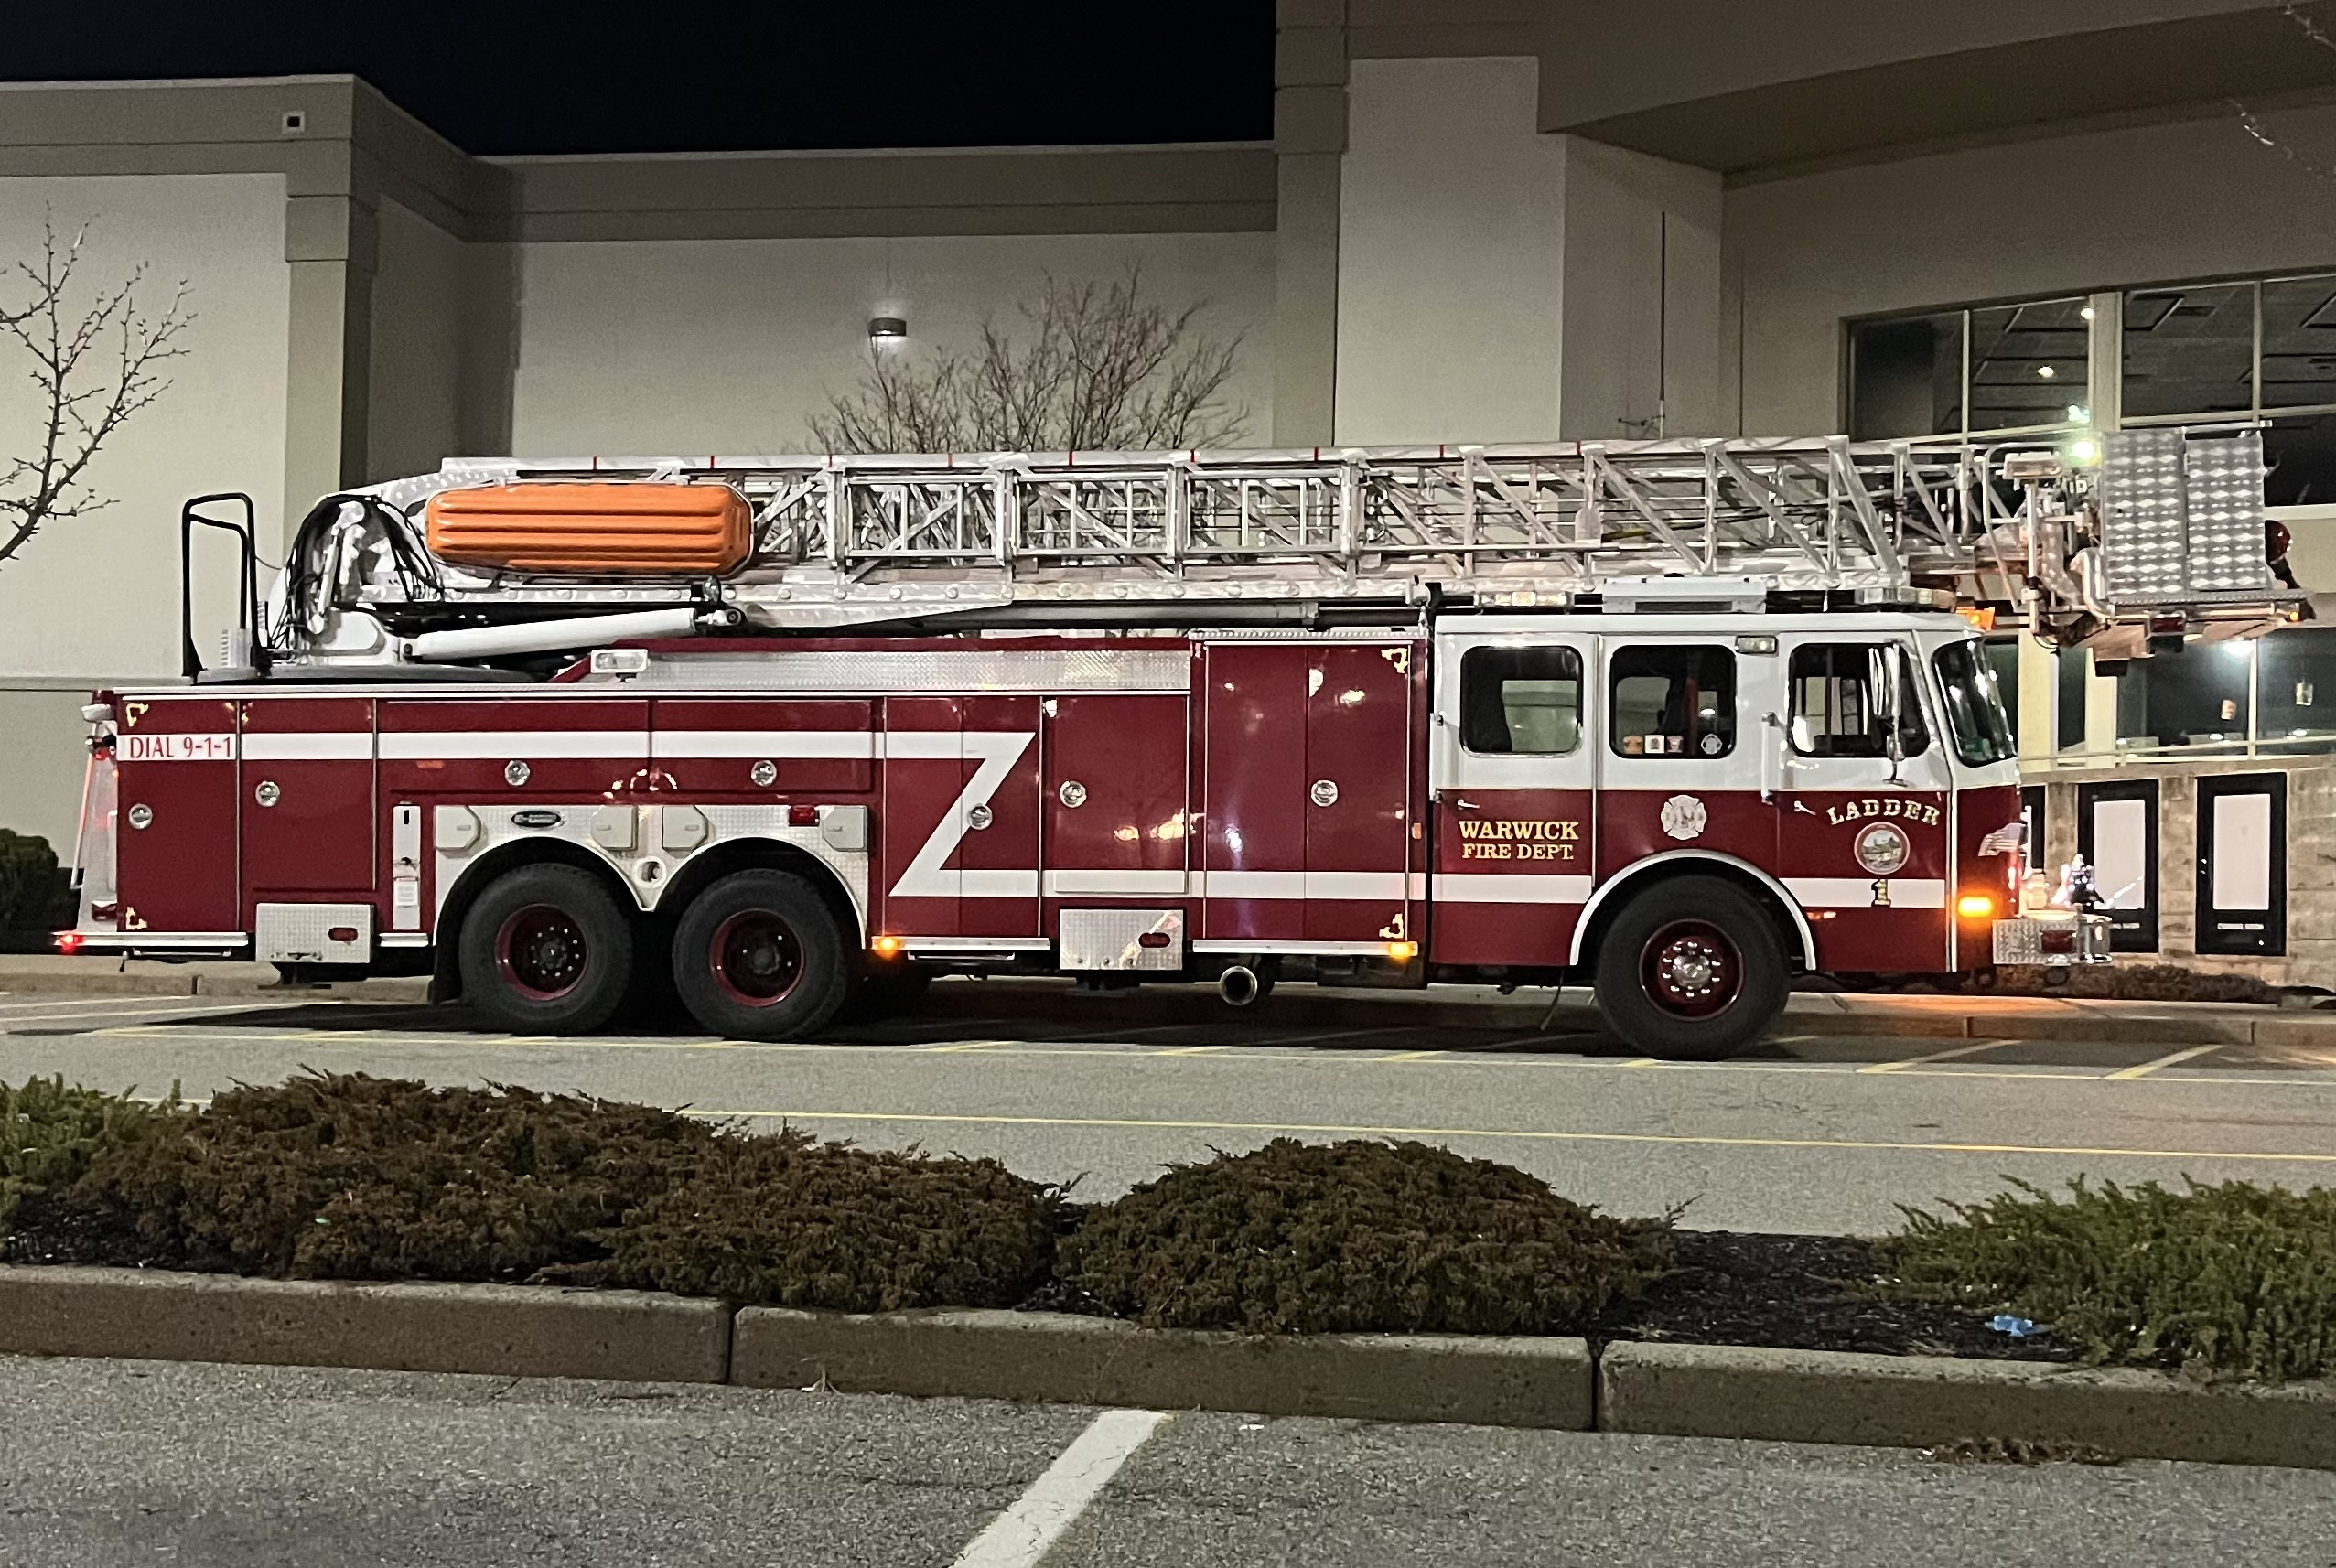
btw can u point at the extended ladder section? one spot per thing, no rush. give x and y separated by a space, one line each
2146 525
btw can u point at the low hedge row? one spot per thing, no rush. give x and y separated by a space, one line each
356 1178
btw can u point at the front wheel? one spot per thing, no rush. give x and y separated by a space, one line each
758 956
1691 970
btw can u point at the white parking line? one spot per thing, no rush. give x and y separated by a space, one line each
1019 1537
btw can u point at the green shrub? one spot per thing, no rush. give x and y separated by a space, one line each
2226 1281
787 1222
333 1176
50 1133
1359 1236
36 893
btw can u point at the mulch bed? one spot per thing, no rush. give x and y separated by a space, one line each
1788 1292
1802 1293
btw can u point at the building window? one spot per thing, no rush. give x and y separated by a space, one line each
2030 365
1990 368
1907 378
2300 342
1521 701
1673 701
1834 705
2188 350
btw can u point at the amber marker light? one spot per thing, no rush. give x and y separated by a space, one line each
1975 905
887 946
1403 952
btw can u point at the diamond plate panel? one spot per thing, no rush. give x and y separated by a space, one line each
2225 513
2143 523
303 933
1097 939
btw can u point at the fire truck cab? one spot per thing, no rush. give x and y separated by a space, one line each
1370 719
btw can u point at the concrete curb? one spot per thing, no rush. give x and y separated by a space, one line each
1917 1401
530 1331
1056 1359
1657 1389
105 982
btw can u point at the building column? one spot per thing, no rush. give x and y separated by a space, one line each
2039 693
331 242
1310 139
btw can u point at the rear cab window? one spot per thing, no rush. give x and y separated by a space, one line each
1672 701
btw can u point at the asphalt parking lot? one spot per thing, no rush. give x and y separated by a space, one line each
1811 1132
107 1463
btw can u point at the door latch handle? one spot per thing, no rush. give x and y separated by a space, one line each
978 817
1465 804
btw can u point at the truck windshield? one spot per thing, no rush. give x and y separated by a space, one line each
1973 711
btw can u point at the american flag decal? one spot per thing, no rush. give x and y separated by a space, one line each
2005 840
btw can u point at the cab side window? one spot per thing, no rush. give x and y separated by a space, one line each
1836 701
1673 701
1521 701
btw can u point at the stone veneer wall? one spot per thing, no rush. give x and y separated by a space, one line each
2311 958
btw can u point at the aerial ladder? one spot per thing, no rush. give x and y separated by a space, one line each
2095 542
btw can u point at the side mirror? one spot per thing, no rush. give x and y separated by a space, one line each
1888 673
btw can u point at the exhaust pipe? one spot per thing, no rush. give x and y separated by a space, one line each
1240 986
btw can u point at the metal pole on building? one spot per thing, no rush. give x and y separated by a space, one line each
2253 691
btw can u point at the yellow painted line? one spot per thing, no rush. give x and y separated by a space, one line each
1304 1037
1950 1054
11 1023
1409 1057
2126 1075
1357 1130
1456 1057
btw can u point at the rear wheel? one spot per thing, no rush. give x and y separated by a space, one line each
758 956
1691 970
545 949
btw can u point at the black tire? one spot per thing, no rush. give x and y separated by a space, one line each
546 950
758 956
1691 970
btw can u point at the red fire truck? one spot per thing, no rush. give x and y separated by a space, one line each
1681 719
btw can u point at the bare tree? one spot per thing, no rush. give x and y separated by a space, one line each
95 361
1089 367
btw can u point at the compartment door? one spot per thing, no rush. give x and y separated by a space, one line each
178 872
307 801
1114 799
1360 847
960 818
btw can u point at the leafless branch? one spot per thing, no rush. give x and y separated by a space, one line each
96 361
1089 368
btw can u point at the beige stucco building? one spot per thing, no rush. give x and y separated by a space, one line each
1477 220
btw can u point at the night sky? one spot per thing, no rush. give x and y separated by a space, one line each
496 77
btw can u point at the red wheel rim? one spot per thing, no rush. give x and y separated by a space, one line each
541 951
1692 969
755 958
